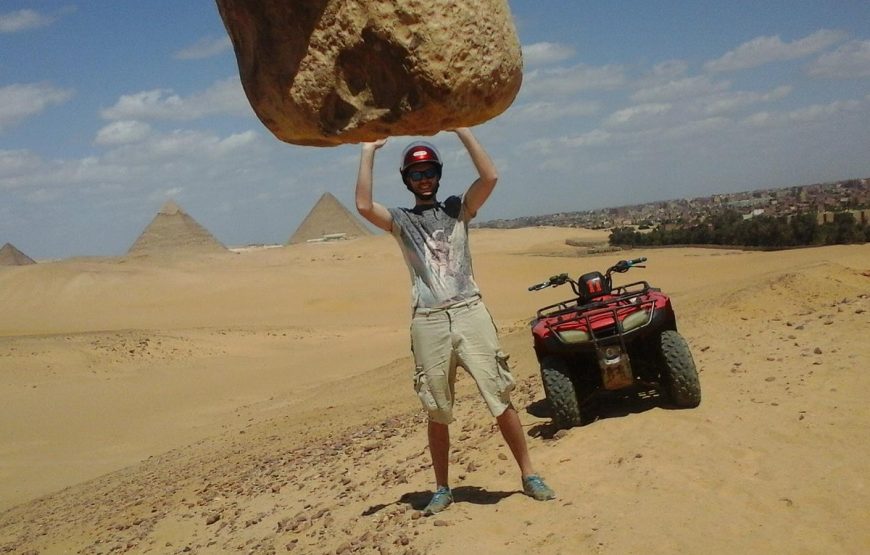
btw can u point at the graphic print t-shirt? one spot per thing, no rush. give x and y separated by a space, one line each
434 242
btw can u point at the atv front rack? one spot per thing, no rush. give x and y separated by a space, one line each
623 293
624 310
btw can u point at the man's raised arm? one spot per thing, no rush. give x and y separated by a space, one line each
480 190
368 209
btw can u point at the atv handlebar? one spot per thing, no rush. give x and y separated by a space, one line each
553 281
562 279
626 265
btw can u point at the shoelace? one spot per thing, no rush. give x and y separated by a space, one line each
535 482
440 492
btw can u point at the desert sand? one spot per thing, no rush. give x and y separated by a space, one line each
260 402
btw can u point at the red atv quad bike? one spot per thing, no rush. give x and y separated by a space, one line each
610 342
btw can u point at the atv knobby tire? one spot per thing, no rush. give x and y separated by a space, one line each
561 392
679 374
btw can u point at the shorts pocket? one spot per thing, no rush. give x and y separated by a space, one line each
505 380
424 392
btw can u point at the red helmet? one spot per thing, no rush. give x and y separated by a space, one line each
418 152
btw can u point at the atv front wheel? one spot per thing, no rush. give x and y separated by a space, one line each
679 374
560 391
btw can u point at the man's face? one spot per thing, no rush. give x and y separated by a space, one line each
422 179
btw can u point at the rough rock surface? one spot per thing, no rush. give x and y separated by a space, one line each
328 72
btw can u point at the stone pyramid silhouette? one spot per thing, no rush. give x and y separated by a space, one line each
327 218
10 256
173 231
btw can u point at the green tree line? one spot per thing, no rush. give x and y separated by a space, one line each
729 228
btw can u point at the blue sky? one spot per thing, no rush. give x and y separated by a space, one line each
109 108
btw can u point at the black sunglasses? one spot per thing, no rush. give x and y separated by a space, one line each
417 175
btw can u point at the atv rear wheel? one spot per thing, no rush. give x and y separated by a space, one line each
679 374
560 391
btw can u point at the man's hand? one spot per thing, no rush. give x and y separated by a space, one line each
374 145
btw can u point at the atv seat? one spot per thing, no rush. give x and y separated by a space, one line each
632 321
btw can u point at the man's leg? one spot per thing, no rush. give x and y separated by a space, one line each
439 448
481 355
433 375
512 431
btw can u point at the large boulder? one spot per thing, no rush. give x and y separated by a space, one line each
327 72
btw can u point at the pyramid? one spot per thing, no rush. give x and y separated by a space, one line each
328 218
10 256
173 231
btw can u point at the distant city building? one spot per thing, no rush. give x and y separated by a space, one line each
820 199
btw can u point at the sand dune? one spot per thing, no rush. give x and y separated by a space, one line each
260 403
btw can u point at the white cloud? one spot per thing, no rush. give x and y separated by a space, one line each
204 48
161 195
20 101
628 143
592 138
236 141
542 53
122 132
182 146
14 164
157 103
22 20
667 71
807 114
732 101
849 61
193 159
821 111
764 50
693 98
680 88
694 128
555 146
549 111
224 97
640 114
571 80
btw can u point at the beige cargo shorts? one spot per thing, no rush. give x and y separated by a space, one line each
460 335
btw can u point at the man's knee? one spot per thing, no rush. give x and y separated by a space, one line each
435 393
443 417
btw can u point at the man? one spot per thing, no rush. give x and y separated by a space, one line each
451 326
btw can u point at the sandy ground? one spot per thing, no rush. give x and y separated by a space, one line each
260 402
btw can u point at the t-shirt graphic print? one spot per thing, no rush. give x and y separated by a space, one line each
434 243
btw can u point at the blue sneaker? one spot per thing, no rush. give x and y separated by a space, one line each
442 499
534 486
